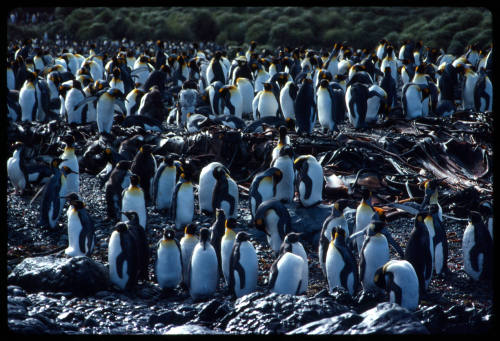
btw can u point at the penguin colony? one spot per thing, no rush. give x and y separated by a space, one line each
307 91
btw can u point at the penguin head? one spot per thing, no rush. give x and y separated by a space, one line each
123 164
72 197
116 72
324 83
485 208
18 145
339 207
475 218
230 223
253 44
338 234
260 225
204 236
379 276
268 86
168 234
297 164
68 141
134 180
77 204
116 93
190 229
287 150
145 149
132 216
292 237
379 214
242 237
375 227
220 214
121 227
419 219
56 162
31 76
283 131
366 194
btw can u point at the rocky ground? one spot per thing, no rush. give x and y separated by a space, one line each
453 305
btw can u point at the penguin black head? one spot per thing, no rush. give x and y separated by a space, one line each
116 93
123 164
121 227
253 44
204 235
292 237
31 76
268 86
339 205
168 234
132 216
475 218
220 214
134 180
146 148
17 145
116 72
420 217
338 233
324 83
68 140
242 237
485 208
367 194
287 150
377 226
190 229
72 197
56 162
77 204
231 223
218 55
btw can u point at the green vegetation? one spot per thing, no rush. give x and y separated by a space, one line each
450 28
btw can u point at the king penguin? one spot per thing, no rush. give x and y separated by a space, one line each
356 98
364 213
285 276
331 108
168 267
122 258
305 107
418 253
183 198
74 96
288 94
81 236
340 265
309 180
216 233
225 194
477 248
16 169
206 184
245 88
118 181
399 279
263 187
144 165
440 241
335 219
28 99
164 182
243 266
285 191
69 159
374 253
226 247
203 269
187 244
232 100
133 200
141 244
265 103
273 219
283 139
291 243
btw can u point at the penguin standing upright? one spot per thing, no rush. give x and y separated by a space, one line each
273 219
74 96
340 265
374 252
122 258
326 103
203 270
28 99
245 88
413 100
265 103
168 267
292 244
477 248
399 279
225 194
133 100
469 85
187 244
309 180
440 241
388 84
164 183
16 169
183 198
285 276
483 93
217 231
53 193
216 69
206 185
283 139
285 191
69 159
335 219
263 187
232 100
118 181
364 213
305 107
81 236
141 244
226 247
144 165
356 98
288 94
418 252
243 266
133 200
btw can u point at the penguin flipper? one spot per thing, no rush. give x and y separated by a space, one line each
85 101
174 201
391 241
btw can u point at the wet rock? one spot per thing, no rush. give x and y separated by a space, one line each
277 314
81 276
191 329
331 325
167 318
433 318
308 221
388 318
27 326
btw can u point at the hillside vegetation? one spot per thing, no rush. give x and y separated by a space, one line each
450 28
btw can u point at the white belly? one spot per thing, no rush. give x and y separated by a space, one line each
74 230
204 276
468 242
134 202
166 186
105 113
285 188
185 207
274 238
226 247
249 263
187 246
114 250
289 274
15 173
268 106
325 109
168 267
376 254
